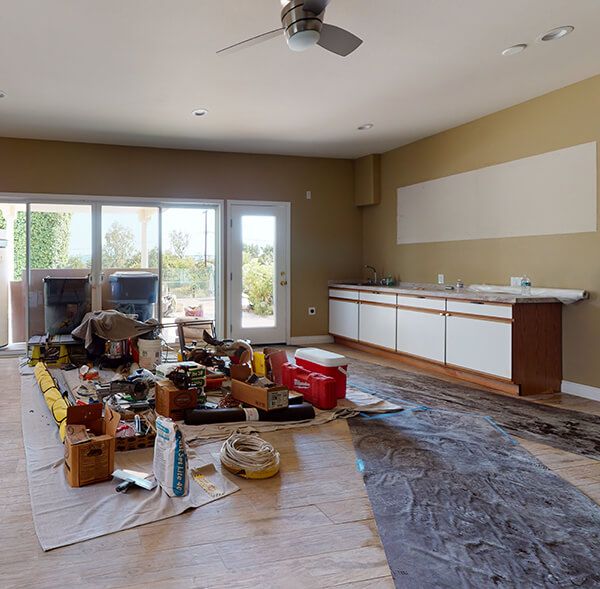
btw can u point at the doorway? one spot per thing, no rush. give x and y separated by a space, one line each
258 271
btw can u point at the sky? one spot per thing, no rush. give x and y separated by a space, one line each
188 220
257 230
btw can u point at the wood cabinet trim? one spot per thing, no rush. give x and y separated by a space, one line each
344 338
480 317
352 301
418 296
478 302
422 310
376 304
495 383
479 373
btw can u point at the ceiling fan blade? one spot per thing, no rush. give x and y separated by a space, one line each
315 6
338 40
252 41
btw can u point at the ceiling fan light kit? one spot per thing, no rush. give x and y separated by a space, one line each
302 30
303 27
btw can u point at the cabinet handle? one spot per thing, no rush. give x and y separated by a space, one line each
442 314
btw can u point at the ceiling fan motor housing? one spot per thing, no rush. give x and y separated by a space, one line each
302 28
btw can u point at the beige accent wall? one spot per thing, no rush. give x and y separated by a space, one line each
326 230
566 117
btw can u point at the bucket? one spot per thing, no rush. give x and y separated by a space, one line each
150 350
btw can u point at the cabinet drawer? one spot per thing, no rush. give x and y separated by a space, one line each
377 297
480 308
422 302
351 295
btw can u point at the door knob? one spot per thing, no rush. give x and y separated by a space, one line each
283 283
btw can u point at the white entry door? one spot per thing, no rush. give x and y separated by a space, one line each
258 258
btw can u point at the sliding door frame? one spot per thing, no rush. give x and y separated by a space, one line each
97 202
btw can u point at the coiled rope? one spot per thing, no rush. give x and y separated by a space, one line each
250 457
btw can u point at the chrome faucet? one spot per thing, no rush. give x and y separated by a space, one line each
374 273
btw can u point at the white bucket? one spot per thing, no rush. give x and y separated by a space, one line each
150 350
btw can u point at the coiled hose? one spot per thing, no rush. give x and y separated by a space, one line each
250 457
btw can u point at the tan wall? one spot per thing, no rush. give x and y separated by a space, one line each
326 230
560 119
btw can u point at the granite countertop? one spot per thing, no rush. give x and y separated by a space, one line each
435 290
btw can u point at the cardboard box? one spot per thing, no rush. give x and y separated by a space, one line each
90 458
267 398
173 402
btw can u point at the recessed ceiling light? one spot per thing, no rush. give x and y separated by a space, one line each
365 127
557 33
515 49
2 94
199 112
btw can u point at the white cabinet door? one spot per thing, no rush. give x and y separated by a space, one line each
421 334
377 325
478 344
343 318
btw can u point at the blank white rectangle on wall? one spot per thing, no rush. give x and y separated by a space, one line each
547 194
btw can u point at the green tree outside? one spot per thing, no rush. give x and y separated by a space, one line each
49 242
258 265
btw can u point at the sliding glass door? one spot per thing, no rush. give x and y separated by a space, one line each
130 266
60 262
188 262
13 273
59 259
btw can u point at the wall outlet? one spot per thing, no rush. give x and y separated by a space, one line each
515 280
441 279
312 310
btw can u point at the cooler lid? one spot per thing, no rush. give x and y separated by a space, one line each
321 357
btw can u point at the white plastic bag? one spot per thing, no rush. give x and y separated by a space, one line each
170 458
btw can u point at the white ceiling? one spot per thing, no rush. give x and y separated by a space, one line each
130 72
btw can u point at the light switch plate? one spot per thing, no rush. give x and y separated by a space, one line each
515 280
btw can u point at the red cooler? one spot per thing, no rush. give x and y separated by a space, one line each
327 363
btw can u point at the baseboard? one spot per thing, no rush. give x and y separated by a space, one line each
305 340
580 390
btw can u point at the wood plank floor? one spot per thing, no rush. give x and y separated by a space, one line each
311 527
580 471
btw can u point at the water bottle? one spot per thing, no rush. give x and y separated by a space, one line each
525 285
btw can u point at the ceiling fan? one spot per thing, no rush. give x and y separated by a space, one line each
303 28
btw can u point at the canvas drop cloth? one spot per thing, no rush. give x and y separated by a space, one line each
63 515
356 402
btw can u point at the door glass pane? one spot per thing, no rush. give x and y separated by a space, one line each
60 258
258 271
12 274
188 264
130 260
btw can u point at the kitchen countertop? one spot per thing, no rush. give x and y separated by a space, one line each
435 290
